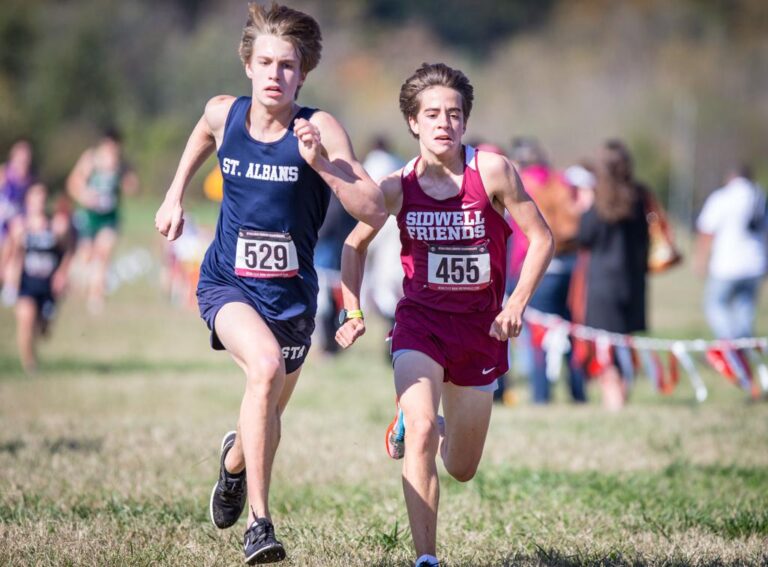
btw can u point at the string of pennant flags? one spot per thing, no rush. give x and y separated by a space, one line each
740 361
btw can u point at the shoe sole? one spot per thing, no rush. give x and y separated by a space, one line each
389 444
210 501
270 554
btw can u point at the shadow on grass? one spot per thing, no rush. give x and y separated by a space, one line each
677 498
10 369
549 557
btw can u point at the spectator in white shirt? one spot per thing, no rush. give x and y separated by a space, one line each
732 251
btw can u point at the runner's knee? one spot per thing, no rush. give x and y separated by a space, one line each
264 371
421 433
463 472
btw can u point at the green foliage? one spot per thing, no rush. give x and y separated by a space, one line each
476 26
571 73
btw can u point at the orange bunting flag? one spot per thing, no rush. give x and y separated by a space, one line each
661 380
582 350
537 334
674 374
717 360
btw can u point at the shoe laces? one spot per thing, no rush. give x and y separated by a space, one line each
260 531
232 487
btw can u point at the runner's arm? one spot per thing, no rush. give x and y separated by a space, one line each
504 186
325 145
702 251
130 183
14 250
353 262
60 277
207 133
78 177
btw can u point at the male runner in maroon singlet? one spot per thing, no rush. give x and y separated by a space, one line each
449 342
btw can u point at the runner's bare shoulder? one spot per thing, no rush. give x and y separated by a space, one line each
392 187
216 111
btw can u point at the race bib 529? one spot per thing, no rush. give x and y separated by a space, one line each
265 255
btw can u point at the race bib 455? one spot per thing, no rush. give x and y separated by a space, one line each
458 268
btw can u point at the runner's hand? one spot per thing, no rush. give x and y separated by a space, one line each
169 220
507 324
310 145
58 283
89 200
350 331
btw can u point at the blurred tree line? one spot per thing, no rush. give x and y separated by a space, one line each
683 82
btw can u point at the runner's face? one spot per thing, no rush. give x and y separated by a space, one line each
108 154
439 124
274 70
35 200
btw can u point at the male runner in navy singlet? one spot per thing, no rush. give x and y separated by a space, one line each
258 286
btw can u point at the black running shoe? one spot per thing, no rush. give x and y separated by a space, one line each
229 493
260 545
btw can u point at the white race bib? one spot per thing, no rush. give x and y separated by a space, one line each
265 255
38 264
105 203
458 268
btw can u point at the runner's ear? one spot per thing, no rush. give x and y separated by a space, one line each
413 125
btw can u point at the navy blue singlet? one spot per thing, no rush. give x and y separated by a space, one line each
42 255
271 196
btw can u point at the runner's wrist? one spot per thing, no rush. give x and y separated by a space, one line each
347 314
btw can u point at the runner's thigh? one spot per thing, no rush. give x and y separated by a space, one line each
248 339
467 417
418 383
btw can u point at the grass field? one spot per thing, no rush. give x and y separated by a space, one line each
108 455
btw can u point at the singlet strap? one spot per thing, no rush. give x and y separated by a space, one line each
236 114
410 166
304 112
470 157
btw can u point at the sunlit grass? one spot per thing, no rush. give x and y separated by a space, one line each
107 457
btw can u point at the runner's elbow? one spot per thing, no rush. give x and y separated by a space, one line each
377 218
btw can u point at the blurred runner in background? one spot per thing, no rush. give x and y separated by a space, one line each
97 183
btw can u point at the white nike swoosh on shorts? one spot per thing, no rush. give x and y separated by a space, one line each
488 370
469 205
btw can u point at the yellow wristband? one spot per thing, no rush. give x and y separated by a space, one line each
345 315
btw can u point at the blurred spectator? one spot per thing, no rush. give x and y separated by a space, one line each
182 260
16 177
384 272
41 247
582 178
96 183
381 160
731 250
615 231
213 185
556 200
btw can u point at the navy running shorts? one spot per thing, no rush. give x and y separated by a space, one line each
293 335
